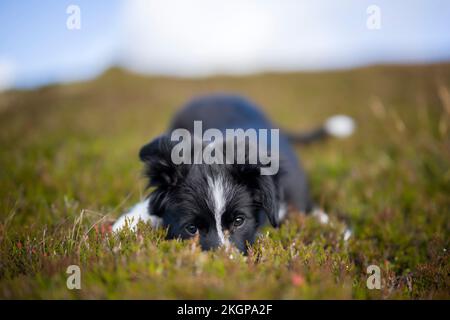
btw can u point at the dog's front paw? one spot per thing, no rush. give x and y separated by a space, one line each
138 213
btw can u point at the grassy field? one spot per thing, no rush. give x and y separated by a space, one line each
69 166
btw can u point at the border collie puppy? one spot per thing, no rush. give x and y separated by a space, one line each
224 204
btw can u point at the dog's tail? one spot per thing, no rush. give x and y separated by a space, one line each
339 126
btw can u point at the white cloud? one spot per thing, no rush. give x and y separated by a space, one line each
7 74
200 37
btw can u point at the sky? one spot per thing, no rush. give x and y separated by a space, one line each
205 37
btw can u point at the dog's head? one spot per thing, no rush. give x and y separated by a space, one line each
222 204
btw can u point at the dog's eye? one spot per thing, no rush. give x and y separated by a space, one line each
191 228
238 221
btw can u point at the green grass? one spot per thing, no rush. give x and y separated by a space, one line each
69 166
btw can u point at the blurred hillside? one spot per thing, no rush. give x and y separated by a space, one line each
69 148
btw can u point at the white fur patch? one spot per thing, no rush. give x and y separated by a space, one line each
321 215
282 211
217 188
323 218
347 234
137 213
340 126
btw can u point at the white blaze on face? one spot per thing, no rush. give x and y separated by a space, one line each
217 187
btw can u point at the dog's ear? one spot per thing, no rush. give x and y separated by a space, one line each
264 189
159 167
267 195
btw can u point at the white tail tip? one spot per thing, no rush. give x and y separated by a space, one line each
340 126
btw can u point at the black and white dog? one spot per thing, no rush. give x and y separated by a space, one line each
224 204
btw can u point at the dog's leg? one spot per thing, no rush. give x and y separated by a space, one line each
282 211
137 213
320 215
323 218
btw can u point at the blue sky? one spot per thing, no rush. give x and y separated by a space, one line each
202 37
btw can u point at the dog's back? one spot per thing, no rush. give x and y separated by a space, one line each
221 112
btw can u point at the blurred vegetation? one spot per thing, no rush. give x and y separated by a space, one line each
69 166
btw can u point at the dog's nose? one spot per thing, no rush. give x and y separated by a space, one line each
210 241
